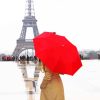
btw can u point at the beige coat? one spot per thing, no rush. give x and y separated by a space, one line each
51 86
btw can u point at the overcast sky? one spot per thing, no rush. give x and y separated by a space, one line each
78 20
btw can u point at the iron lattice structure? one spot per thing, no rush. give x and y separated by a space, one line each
23 44
28 21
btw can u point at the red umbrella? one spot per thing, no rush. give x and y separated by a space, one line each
57 53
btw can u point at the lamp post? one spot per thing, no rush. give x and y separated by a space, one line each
30 73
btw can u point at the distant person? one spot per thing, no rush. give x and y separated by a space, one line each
27 59
35 59
23 59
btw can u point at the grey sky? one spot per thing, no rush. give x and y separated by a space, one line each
78 20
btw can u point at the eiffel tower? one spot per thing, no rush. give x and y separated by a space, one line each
23 44
28 21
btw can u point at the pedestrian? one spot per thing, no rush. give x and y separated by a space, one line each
57 56
27 59
35 59
23 59
51 86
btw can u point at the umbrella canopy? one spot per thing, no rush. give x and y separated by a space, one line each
57 53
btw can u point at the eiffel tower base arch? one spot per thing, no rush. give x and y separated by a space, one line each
21 46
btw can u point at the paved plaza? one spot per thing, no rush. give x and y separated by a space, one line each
84 85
